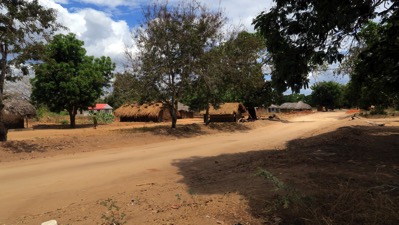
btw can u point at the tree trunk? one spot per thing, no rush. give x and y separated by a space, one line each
72 117
3 67
206 116
207 119
3 132
174 114
252 113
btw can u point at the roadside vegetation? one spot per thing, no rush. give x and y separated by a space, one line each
184 53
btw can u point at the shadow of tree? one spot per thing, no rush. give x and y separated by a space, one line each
186 130
181 131
22 146
348 176
60 126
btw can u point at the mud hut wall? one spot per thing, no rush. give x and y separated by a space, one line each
165 115
223 118
185 114
14 121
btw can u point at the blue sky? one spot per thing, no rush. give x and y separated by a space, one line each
105 25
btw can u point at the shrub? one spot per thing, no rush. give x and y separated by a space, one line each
103 118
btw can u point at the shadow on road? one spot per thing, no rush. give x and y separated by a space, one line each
348 176
60 126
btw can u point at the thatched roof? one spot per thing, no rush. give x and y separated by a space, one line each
227 108
135 110
182 107
272 106
295 105
18 107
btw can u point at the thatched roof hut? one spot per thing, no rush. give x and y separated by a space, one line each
295 106
184 111
155 112
15 112
19 107
273 108
228 112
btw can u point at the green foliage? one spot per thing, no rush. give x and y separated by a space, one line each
23 27
170 43
378 110
102 117
290 195
376 76
68 79
296 98
126 89
328 94
113 215
64 122
303 34
233 74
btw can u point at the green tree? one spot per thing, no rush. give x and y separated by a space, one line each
328 94
232 72
170 43
68 79
126 89
23 25
375 76
303 34
243 79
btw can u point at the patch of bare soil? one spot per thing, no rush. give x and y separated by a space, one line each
344 174
47 140
347 176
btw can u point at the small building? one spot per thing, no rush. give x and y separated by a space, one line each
155 112
273 109
228 112
101 107
16 112
294 106
183 111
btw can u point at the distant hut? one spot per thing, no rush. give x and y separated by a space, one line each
294 106
302 106
155 112
101 107
228 112
273 109
16 111
184 111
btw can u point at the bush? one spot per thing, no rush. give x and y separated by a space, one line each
378 110
64 122
103 118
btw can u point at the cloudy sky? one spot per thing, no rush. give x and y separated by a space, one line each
105 25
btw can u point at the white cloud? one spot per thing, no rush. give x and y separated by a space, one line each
102 35
240 12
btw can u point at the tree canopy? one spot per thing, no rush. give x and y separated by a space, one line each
68 79
328 94
302 34
232 73
170 43
126 89
23 25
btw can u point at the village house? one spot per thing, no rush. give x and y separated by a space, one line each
17 112
227 112
155 112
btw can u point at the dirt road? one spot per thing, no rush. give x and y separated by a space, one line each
32 191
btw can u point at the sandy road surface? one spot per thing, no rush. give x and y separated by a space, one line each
41 185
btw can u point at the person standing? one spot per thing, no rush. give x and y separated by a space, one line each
95 121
